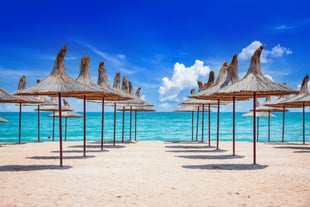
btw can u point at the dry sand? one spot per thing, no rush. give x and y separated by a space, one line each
154 173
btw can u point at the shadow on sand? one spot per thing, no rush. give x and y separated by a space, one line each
226 167
196 151
97 146
57 157
7 168
220 157
80 151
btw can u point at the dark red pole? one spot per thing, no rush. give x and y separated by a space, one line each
84 141
234 125
123 124
269 126
257 130
130 123
202 122
209 124
60 128
20 123
102 123
197 124
218 125
135 125
38 123
114 134
283 122
303 123
254 128
192 126
53 133
66 124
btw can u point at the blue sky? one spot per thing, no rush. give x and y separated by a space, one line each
162 46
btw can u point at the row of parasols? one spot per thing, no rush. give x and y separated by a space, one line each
228 88
58 85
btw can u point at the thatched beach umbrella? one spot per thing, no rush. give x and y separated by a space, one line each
269 109
136 109
255 85
260 113
58 83
231 78
192 109
110 94
66 115
204 105
298 101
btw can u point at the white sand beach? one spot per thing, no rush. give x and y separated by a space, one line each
154 173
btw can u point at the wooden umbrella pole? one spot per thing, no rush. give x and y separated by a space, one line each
269 126
135 125
283 122
60 128
234 125
130 123
218 124
53 132
123 124
38 123
114 133
192 126
202 122
102 123
257 131
209 124
66 124
254 128
303 123
84 140
197 124
20 123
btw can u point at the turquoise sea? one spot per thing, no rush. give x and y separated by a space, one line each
165 126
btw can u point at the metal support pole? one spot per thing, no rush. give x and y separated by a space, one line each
38 123
135 125
130 124
192 126
202 122
234 126
53 132
102 123
60 128
269 126
209 124
114 135
123 124
254 128
84 141
20 123
218 125
283 122
303 124
197 124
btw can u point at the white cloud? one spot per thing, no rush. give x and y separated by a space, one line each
268 76
276 52
182 78
294 25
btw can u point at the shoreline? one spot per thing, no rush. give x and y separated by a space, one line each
154 173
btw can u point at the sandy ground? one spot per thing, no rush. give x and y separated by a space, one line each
154 173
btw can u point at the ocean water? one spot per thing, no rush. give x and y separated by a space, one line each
165 126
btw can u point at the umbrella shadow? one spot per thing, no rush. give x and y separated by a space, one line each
293 147
79 151
57 157
188 147
226 167
220 157
196 151
8 168
97 146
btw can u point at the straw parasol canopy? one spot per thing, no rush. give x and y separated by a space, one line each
255 84
58 83
258 114
5 97
3 120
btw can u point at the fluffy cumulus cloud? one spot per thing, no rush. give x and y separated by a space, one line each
182 78
276 52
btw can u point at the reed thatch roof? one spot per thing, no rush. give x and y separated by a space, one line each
293 102
27 100
255 81
59 82
189 108
264 108
67 114
231 78
5 97
137 108
3 120
261 114
103 90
